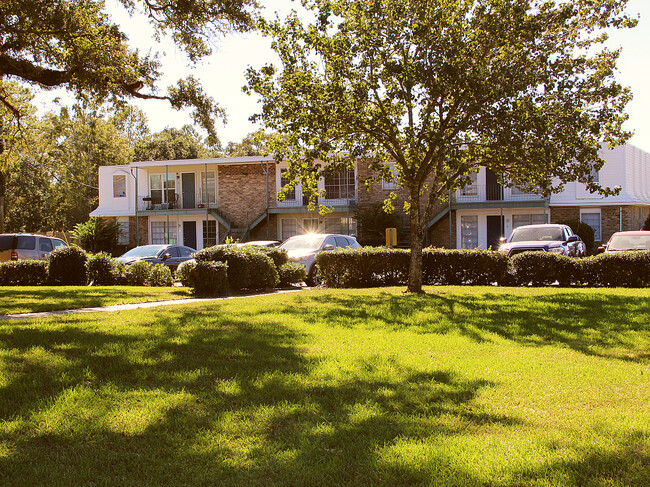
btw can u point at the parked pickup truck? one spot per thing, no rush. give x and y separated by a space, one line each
559 239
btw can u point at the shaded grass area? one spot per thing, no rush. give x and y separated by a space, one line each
34 299
461 386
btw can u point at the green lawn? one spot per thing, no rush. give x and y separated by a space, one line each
461 386
33 299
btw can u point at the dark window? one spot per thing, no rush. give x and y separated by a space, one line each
339 185
342 242
330 241
173 251
26 242
6 242
186 251
44 245
58 243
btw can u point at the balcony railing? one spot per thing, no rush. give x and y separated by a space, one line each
492 192
320 201
176 201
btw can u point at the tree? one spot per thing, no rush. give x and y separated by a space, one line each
442 87
254 144
171 144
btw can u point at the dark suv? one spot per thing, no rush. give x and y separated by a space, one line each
558 239
27 246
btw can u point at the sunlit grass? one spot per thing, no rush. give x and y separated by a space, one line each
33 299
461 386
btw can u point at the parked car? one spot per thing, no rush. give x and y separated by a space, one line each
559 239
169 255
303 249
27 246
627 241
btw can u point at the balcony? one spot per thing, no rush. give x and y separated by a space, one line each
156 201
493 193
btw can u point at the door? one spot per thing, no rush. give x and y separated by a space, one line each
492 186
494 231
189 191
189 233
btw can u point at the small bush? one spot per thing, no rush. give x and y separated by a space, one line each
619 269
138 273
292 273
468 267
97 234
278 256
67 267
160 276
185 273
210 278
102 270
248 267
23 273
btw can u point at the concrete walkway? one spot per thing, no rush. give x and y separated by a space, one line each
120 307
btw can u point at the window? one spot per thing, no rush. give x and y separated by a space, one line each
342 242
472 188
58 243
208 188
26 243
469 232
527 219
173 252
158 195
186 251
209 233
44 245
291 195
123 236
119 186
159 235
392 184
592 218
288 228
340 185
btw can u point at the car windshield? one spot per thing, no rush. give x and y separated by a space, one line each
304 242
144 251
544 234
629 242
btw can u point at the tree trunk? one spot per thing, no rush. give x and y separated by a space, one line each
414 284
2 197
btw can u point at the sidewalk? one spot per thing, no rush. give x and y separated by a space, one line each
129 306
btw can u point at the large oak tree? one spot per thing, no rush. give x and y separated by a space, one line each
441 87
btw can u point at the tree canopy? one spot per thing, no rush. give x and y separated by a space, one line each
74 44
442 87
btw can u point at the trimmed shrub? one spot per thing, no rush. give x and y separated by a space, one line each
160 276
102 270
210 278
469 267
138 273
292 273
248 267
23 273
278 256
544 268
67 267
185 273
619 269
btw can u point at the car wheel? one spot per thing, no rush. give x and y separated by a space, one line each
314 278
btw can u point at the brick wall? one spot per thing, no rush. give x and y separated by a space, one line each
562 214
438 234
143 229
242 192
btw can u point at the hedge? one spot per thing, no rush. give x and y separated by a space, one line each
67 267
210 278
617 269
23 273
248 267
545 268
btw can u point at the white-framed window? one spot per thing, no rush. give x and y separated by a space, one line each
288 228
340 185
162 188
119 186
162 235
472 188
528 219
291 195
123 236
208 187
341 225
392 184
468 231
209 233
591 217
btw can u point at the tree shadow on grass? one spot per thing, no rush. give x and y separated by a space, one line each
199 399
595 324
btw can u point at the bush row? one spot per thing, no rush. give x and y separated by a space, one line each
381 266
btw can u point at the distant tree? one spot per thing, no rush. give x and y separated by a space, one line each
97 234
522 87
254 144
131 122
172 144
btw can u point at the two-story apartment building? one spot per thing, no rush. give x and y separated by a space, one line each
201 201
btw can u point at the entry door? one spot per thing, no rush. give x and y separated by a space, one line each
492 186
189 191
494 231
189 234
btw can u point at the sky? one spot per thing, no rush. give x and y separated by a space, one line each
222 74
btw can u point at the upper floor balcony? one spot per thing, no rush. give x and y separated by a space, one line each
495 194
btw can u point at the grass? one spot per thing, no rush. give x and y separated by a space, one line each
461 386
33 299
